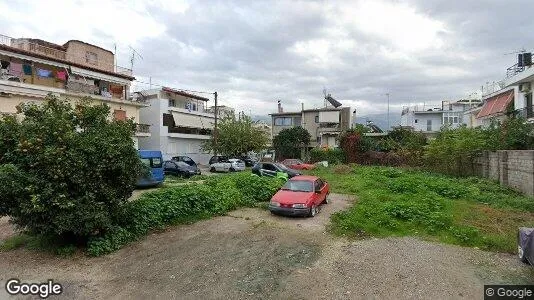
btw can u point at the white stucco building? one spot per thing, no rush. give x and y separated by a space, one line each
429 119
179 123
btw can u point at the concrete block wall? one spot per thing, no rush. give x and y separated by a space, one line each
513 168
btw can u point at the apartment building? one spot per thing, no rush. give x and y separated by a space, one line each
32 68
180 122
429 119
324 124
521 77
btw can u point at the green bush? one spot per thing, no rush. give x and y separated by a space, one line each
183 204
398 202
66 171
333 156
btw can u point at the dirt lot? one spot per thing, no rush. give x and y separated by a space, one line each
252 254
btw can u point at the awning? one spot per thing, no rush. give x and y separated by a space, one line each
496 104
101 76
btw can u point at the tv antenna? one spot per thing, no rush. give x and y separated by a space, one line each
522 50
132 58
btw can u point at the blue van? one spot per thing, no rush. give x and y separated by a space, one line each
154 160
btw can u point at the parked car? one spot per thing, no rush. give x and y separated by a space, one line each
271 169
217 158
180 168
297 164
185 159
300 196
249 160
231 165
154 161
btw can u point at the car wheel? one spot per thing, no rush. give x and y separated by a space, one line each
326 199
313 211
212 169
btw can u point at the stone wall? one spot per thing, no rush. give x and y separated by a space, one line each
514 168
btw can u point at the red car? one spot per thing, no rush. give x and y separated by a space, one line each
297 164
300 196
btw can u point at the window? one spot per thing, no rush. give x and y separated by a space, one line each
172 103
318 140
451 118
269 167
428 125
317 185
317 119
298 186
415 121
91 58
156 162
120 115
283 121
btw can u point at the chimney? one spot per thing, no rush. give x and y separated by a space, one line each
280 109
302 104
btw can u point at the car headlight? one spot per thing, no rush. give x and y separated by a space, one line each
299 205
274 203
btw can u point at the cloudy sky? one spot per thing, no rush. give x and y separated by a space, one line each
255 52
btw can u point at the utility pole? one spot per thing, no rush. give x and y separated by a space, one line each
215 133
387 130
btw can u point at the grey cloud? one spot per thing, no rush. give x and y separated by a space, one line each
241 49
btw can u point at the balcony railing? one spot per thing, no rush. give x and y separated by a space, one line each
514 70
123 71
525 112
142 128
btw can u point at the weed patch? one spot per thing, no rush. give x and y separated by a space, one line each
398 202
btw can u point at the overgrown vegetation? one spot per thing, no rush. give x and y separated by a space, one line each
184 204
464 211
66 171
333 156
453 150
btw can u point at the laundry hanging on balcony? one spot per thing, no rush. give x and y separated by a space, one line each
15 69
44 73
27 69
61 75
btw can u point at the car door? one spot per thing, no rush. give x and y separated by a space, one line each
188 160
167 167
268 169
321 195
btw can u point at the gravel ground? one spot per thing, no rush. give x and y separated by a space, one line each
251 254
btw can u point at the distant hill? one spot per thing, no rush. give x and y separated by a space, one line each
381 120
263 118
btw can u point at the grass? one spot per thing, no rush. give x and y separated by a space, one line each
37 242
396 202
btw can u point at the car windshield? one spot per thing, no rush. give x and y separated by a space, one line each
182 164
298 186
281 166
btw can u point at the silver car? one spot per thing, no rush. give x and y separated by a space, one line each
230 165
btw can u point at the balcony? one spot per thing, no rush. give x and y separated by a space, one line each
525 112
142 130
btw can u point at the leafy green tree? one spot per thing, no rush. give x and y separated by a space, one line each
237 136
290 141
66 171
